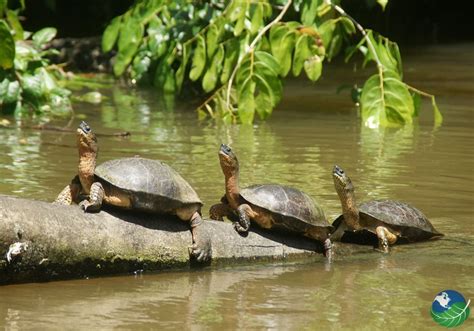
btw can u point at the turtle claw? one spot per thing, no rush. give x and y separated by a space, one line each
239 228
383 245
88 207
200 255
201 249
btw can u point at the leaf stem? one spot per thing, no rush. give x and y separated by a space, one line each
251 48
419 91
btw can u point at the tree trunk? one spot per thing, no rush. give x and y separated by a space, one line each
64 242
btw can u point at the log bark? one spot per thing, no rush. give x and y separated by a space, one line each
63 242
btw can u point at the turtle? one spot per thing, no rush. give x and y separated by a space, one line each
270 206
134 183
384 221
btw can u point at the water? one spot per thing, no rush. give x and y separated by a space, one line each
313 129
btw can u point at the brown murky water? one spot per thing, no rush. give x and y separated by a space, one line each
313 129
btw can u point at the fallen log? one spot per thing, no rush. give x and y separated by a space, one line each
62 242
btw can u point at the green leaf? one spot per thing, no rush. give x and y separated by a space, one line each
211 76
3 6
416 103
32 87
240 24
231 54
387 102
382 3
110 34
246 101
457 313
266 64
12 17
309 11
313 67
7 46
257 18
199 59
182 67
165 77
326 30
438 118
347 25
212 36
43 36
302 53
131 34
282 42
9 91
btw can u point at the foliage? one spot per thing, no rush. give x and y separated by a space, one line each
26 79
239 52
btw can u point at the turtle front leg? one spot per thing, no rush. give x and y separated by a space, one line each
201 248
245 214
386 238
96 197
70 193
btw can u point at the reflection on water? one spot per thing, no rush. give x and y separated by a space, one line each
312 130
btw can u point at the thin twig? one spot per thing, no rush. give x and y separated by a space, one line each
360 28
251 48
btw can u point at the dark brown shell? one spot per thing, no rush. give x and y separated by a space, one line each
411 222
297 208
150 181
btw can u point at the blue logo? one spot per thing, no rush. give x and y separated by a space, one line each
450 309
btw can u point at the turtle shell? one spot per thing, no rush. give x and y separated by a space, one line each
298 210
409 221
153 185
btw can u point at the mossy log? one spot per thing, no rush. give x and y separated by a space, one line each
64 242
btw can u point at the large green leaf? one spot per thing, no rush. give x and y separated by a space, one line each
12 17
43 36
212 36
282 42
246 107
211 76
386 101
182 67
313 67
7 46
110 34
199 59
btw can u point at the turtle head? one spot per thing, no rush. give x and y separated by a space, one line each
86 139
342 182
228 160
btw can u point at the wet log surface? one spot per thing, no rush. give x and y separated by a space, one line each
62 242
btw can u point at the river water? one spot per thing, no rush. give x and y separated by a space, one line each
313 128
